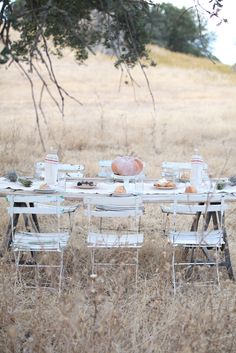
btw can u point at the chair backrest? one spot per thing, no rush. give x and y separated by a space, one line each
69 168
32 205
113 231
114 206
105 168
199 204
177 168
175 165
35 204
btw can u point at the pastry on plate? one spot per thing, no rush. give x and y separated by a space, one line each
44 186
163 183
120 190
190 189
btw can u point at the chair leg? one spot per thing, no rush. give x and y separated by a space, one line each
93 261
136 269
37 276
17 261
173 270
60 274
70 221
217 267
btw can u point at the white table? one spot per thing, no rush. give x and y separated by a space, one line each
148 192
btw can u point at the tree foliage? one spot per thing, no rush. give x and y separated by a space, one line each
78 24
125 26
179 30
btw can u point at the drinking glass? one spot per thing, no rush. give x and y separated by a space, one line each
61 180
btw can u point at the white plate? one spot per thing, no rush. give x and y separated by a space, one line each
164 187
45 191
121 194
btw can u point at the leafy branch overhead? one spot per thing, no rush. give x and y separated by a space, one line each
123 26
80 25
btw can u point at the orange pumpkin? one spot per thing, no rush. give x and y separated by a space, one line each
127 166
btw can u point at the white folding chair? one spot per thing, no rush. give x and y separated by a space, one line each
174 167
175 171
197 235
109 209
37 246
71 171
105 168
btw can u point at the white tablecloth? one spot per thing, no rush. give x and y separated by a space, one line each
109 188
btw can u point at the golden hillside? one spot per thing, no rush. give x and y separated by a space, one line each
194 106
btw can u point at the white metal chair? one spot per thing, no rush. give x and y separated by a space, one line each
176 171
104 236
199 237
105 168
30 244
71 170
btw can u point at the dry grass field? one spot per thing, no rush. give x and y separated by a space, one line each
194 107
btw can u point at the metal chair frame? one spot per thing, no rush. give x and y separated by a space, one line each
105 168
130 207
198 238
73 169
77 169
175 168
34 242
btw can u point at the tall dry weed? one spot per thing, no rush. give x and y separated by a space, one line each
195 107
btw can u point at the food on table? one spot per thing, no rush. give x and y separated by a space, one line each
12 175
220 185
84 183
44 186
232 180
127 166
25 182
163 183
120 190
190 189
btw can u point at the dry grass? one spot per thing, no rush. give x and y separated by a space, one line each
194 107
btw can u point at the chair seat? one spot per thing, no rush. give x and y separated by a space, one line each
186 210
62 209
205 239
133 240
40 241
115 212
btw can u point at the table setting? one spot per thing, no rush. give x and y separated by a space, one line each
128 178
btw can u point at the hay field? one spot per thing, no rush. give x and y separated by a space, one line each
194 107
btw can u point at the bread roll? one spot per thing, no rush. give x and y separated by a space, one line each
190 189
120 190
164 183
44 186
